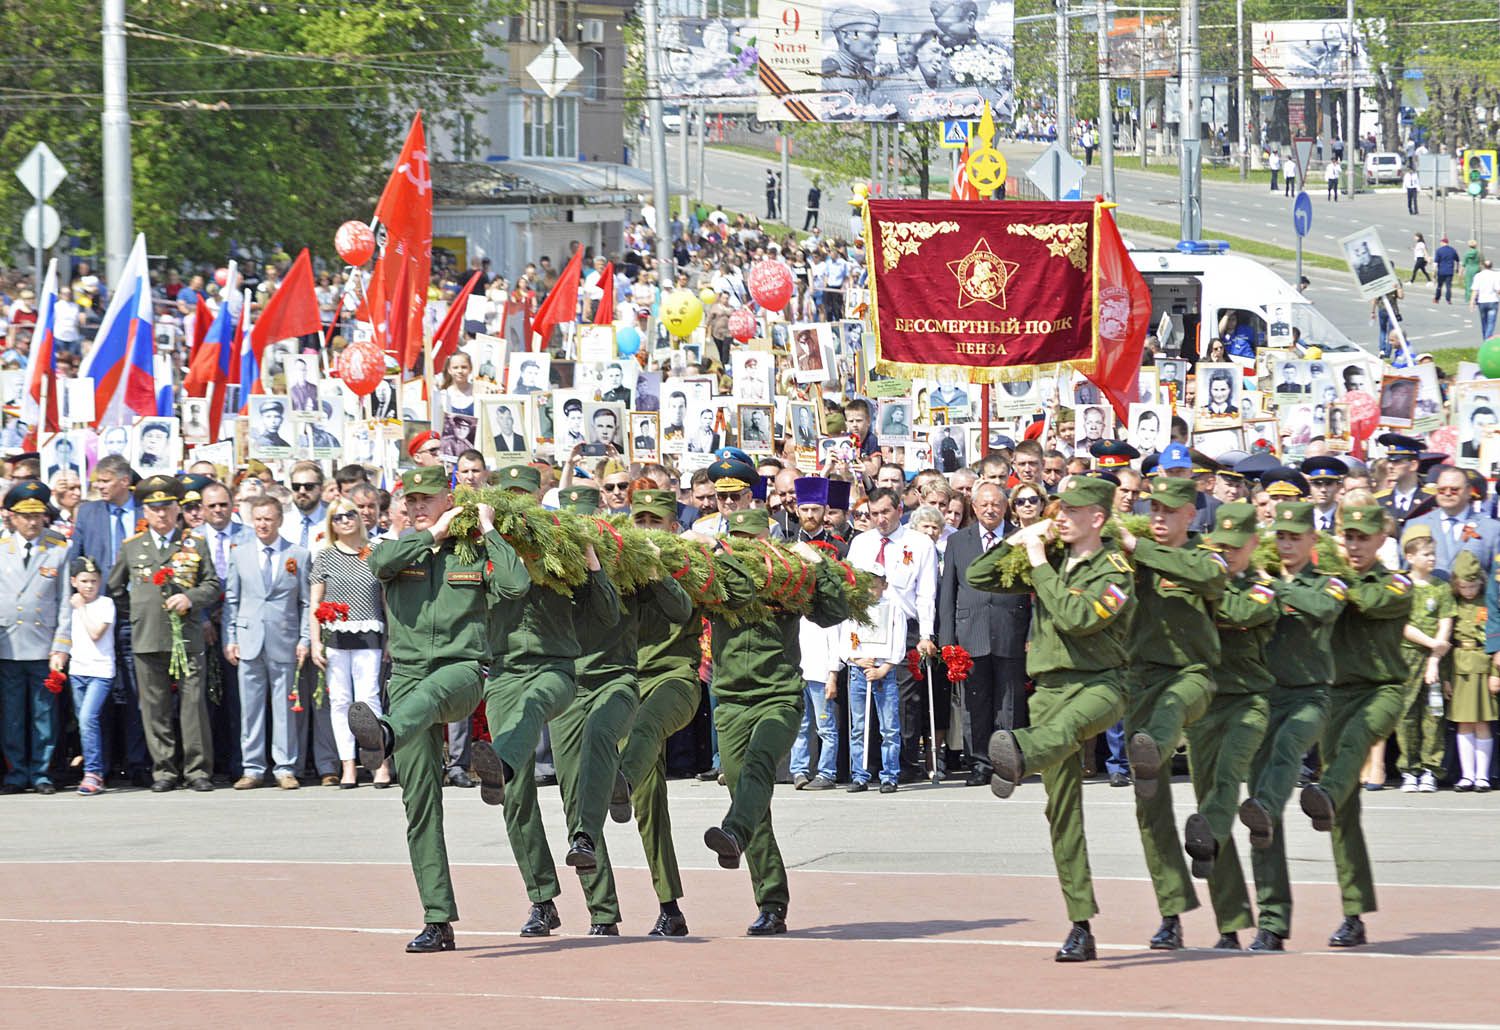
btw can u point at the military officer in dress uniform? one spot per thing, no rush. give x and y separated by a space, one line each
1113 455
1403 455
1325 480
165 574
734 478
33 636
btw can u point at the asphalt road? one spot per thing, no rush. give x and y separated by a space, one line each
736 181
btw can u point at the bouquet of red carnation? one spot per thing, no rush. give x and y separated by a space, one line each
331 611
55 681
958 662
914 664
178 667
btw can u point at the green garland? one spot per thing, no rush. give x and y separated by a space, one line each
1014 566
550 544
1327 557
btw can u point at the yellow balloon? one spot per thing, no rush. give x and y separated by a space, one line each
1313 353
707 295
681 311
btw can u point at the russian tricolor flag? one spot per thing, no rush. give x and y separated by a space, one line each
41 365
215 366
122 363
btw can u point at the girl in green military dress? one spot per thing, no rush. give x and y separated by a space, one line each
1472 688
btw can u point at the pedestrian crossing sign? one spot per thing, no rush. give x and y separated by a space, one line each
956 133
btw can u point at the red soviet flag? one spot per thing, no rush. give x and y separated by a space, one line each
561 304
445 340
291 311
1124 306
403 234
604 314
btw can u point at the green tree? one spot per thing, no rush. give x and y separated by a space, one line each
263 123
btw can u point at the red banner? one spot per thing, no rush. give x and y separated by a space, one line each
995 290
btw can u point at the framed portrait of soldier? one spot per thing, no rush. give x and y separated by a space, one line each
1336 431
1398 401
647 391
617 379
645 436
503 434
1476 407
1171 378
1373 274
155 446
63 453
895 425
115 440
605 425
1150 427
569 424
528 372
194 420
320 434
1428 413
812 348
1092 424
459 433
753 372
710 425
802 421
756 428
1291 381
385 399
1014 397
270 429
949 448
1358 373
1216 401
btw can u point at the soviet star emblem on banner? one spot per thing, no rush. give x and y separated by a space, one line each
982 276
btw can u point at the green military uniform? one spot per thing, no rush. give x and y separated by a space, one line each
435 614
1419 733
1080 632
1366 703
668 657
758 684
131 584
1222 743
1174 646
1300 661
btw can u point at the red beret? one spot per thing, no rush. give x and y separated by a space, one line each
419 441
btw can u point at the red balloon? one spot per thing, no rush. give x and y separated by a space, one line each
741 324
771 285
1444 439
221 276
362 366
355 242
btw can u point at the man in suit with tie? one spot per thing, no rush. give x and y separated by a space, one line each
303 525
33 636
1325 481
1403 455
265 635
220 532
99 528
991 627
507 440
188 584
1454 525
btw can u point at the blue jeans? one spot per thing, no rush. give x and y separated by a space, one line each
89 695
886 702
819 716
30 728
1115 738
1487 311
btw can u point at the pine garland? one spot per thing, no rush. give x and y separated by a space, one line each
1327 558
1014 566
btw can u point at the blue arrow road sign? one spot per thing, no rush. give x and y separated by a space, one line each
1302 214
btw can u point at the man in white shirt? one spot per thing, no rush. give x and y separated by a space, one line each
1289 173
1485 298
910 561
1412 184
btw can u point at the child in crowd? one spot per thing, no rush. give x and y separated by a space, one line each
1429 631
873 651
91 665
1473 686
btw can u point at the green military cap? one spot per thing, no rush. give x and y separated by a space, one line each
1292 517
1234 524
1083 491
1368 519
662 503
751 522
256 467
158 490
29 497
851 18
1466 568
425 479
193 485
581 499
1174 493
1412 533
521 477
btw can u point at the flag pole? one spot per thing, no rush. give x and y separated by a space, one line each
435 408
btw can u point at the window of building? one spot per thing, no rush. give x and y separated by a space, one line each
549 128
594 77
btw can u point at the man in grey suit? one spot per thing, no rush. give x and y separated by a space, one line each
33 635
265 634
991 627
1455 527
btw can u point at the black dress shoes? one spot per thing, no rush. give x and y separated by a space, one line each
1145 763
1198 841
767 924
604 930
979 776
1318 806
619 799
1265 940
434 937
163 786
1007 761
724 844
1228 942
1119 779
46 787
1168 936
374 737
1079 947
857 787
202 784
1258 821
581 853
887 787
709 775
541 920
12 788
668 925
458 778
1350 934
491 772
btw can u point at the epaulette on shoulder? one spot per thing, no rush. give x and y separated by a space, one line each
136 536
1382 494
1120 562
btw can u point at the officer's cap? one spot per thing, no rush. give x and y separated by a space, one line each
29 497
158 490
1113 454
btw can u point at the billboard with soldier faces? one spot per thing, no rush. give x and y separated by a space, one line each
885 61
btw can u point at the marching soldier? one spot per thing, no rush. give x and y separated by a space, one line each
165 574
758 682
436 606
1222 743
1078 654
1299 658
668 672
1174 645
34 637
1367 695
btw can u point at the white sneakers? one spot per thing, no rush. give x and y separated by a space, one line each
1411 784
1408 783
